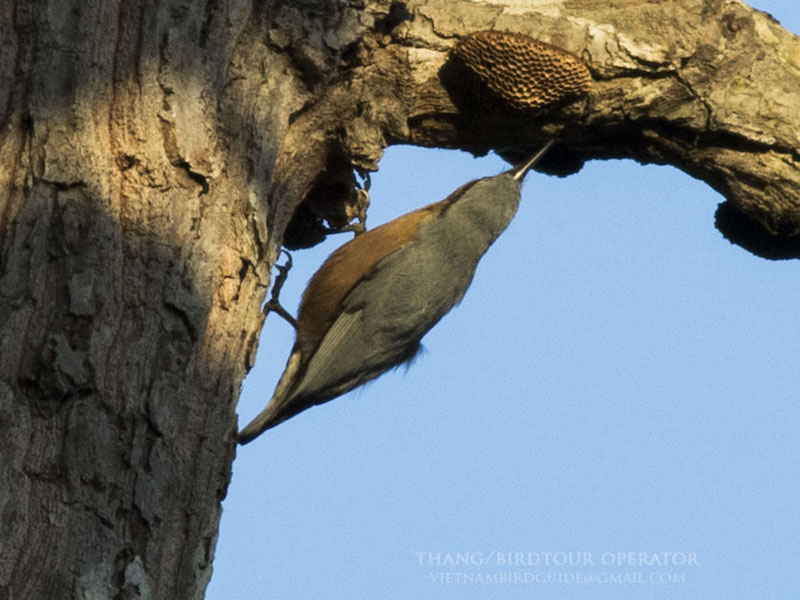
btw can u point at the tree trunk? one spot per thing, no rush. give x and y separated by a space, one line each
152 155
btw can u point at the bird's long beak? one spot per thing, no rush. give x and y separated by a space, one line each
522 170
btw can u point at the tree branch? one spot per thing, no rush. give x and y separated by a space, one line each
710 87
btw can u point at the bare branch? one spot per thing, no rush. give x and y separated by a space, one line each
710 87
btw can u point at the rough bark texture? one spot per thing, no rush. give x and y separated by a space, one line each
152 155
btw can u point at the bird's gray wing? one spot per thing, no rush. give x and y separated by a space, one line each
328 369
380 325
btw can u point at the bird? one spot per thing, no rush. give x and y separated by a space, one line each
367 308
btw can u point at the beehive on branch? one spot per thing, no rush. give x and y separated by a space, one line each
524 72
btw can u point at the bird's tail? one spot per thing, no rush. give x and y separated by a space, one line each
275 412
267 418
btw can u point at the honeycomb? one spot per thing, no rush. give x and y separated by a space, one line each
524 72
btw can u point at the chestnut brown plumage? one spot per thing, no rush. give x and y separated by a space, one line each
369 305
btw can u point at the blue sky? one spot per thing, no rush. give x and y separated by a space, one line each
618 379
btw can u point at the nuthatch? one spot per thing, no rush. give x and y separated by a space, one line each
369 305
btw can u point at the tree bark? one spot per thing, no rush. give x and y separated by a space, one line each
152 155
